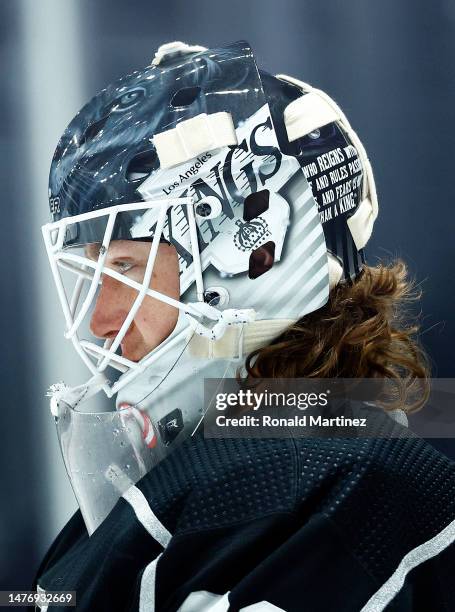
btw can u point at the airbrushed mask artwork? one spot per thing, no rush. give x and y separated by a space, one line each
265 192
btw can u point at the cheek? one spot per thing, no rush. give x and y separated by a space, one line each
166 278
155 320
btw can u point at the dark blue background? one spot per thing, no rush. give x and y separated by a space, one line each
388 63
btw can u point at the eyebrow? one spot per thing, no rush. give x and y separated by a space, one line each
92 251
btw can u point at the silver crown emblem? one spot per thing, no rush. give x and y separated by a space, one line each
251 234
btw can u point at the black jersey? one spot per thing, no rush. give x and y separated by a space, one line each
301 525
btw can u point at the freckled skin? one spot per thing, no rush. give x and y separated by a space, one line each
154 320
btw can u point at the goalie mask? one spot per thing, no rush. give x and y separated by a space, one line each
264 191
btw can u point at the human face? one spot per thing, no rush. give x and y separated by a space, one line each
154 320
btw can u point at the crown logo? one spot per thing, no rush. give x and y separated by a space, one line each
251 234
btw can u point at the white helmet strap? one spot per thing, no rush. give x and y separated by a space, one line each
314 110
238 340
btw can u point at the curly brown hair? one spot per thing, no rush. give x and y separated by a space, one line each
364 331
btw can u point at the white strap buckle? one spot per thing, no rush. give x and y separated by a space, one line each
194 136
308 113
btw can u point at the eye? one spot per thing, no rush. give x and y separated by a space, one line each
122 267
128 99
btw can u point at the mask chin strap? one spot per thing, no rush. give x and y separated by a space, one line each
239 339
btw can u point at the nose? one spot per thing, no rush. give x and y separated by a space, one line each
111 308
